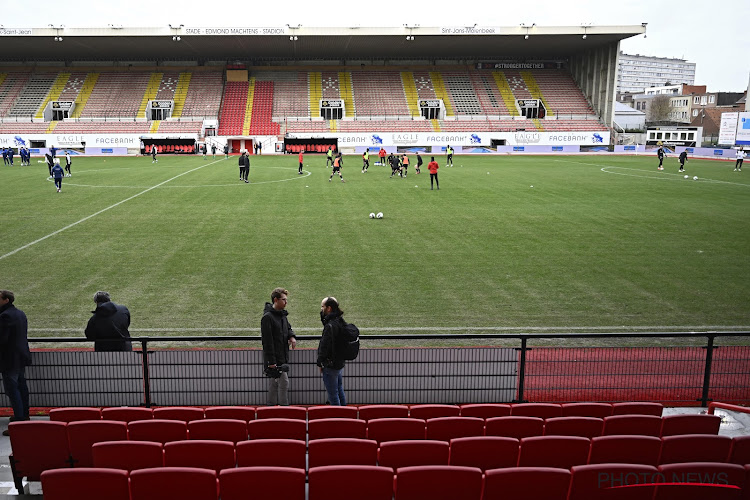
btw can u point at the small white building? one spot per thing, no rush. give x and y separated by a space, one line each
627 118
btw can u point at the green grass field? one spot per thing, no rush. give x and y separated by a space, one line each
598 242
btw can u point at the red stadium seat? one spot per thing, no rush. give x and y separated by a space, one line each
722 481
271 453
485 452
740 452
185 483
86 484
625 449
277 428
74 414
407 453
178 413
128 455
694 448
336 427
288 412
485 410
527 483
395 429
553 451
515 427
540 410
445 482
203 454
157 430
654 409
245 413
643 425
433 411
218 429
447 428
673 425
597 410
601 482
127 414
363 482
266 482
319 412
37 447
371 412
573 426
84 434
342 451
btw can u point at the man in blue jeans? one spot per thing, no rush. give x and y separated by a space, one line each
14 356
330 365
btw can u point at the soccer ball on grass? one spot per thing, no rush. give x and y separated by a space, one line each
372 215
379 215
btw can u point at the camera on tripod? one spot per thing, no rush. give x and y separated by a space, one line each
276 371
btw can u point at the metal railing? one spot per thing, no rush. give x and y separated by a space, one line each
678 368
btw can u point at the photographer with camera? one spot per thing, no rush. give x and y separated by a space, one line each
277 335
332 365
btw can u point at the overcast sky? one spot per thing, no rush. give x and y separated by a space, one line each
714 36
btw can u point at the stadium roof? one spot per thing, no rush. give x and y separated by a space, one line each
301 43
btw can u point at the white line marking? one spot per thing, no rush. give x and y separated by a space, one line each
99 212
237 184
662 176
437 328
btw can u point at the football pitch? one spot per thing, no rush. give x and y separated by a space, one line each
508 243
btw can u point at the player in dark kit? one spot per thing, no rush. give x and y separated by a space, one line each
57 173
395 167
338 162
660 155
683 159
419 162
153 154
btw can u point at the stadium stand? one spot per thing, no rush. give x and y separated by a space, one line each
320 412
514 427
625 449
204 93
173 482
74 414
32 96
395 429
293 412
290 93
11 86
485 410
203 454
378 93
116 95
413 452
245 413
232 114
84 434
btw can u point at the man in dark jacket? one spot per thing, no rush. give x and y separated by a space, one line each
277 335
331 367
108 327
14 356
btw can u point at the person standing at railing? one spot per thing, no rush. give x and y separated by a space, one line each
108 327
331 366
14 356
277 336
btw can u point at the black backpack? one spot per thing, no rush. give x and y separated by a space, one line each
346 342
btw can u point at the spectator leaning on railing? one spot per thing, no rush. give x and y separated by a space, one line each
108 327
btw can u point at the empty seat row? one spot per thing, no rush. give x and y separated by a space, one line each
365 412
585 482
39 446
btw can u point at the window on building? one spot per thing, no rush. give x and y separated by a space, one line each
704 100
695 113
712 99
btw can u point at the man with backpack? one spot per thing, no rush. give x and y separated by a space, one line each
339 343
